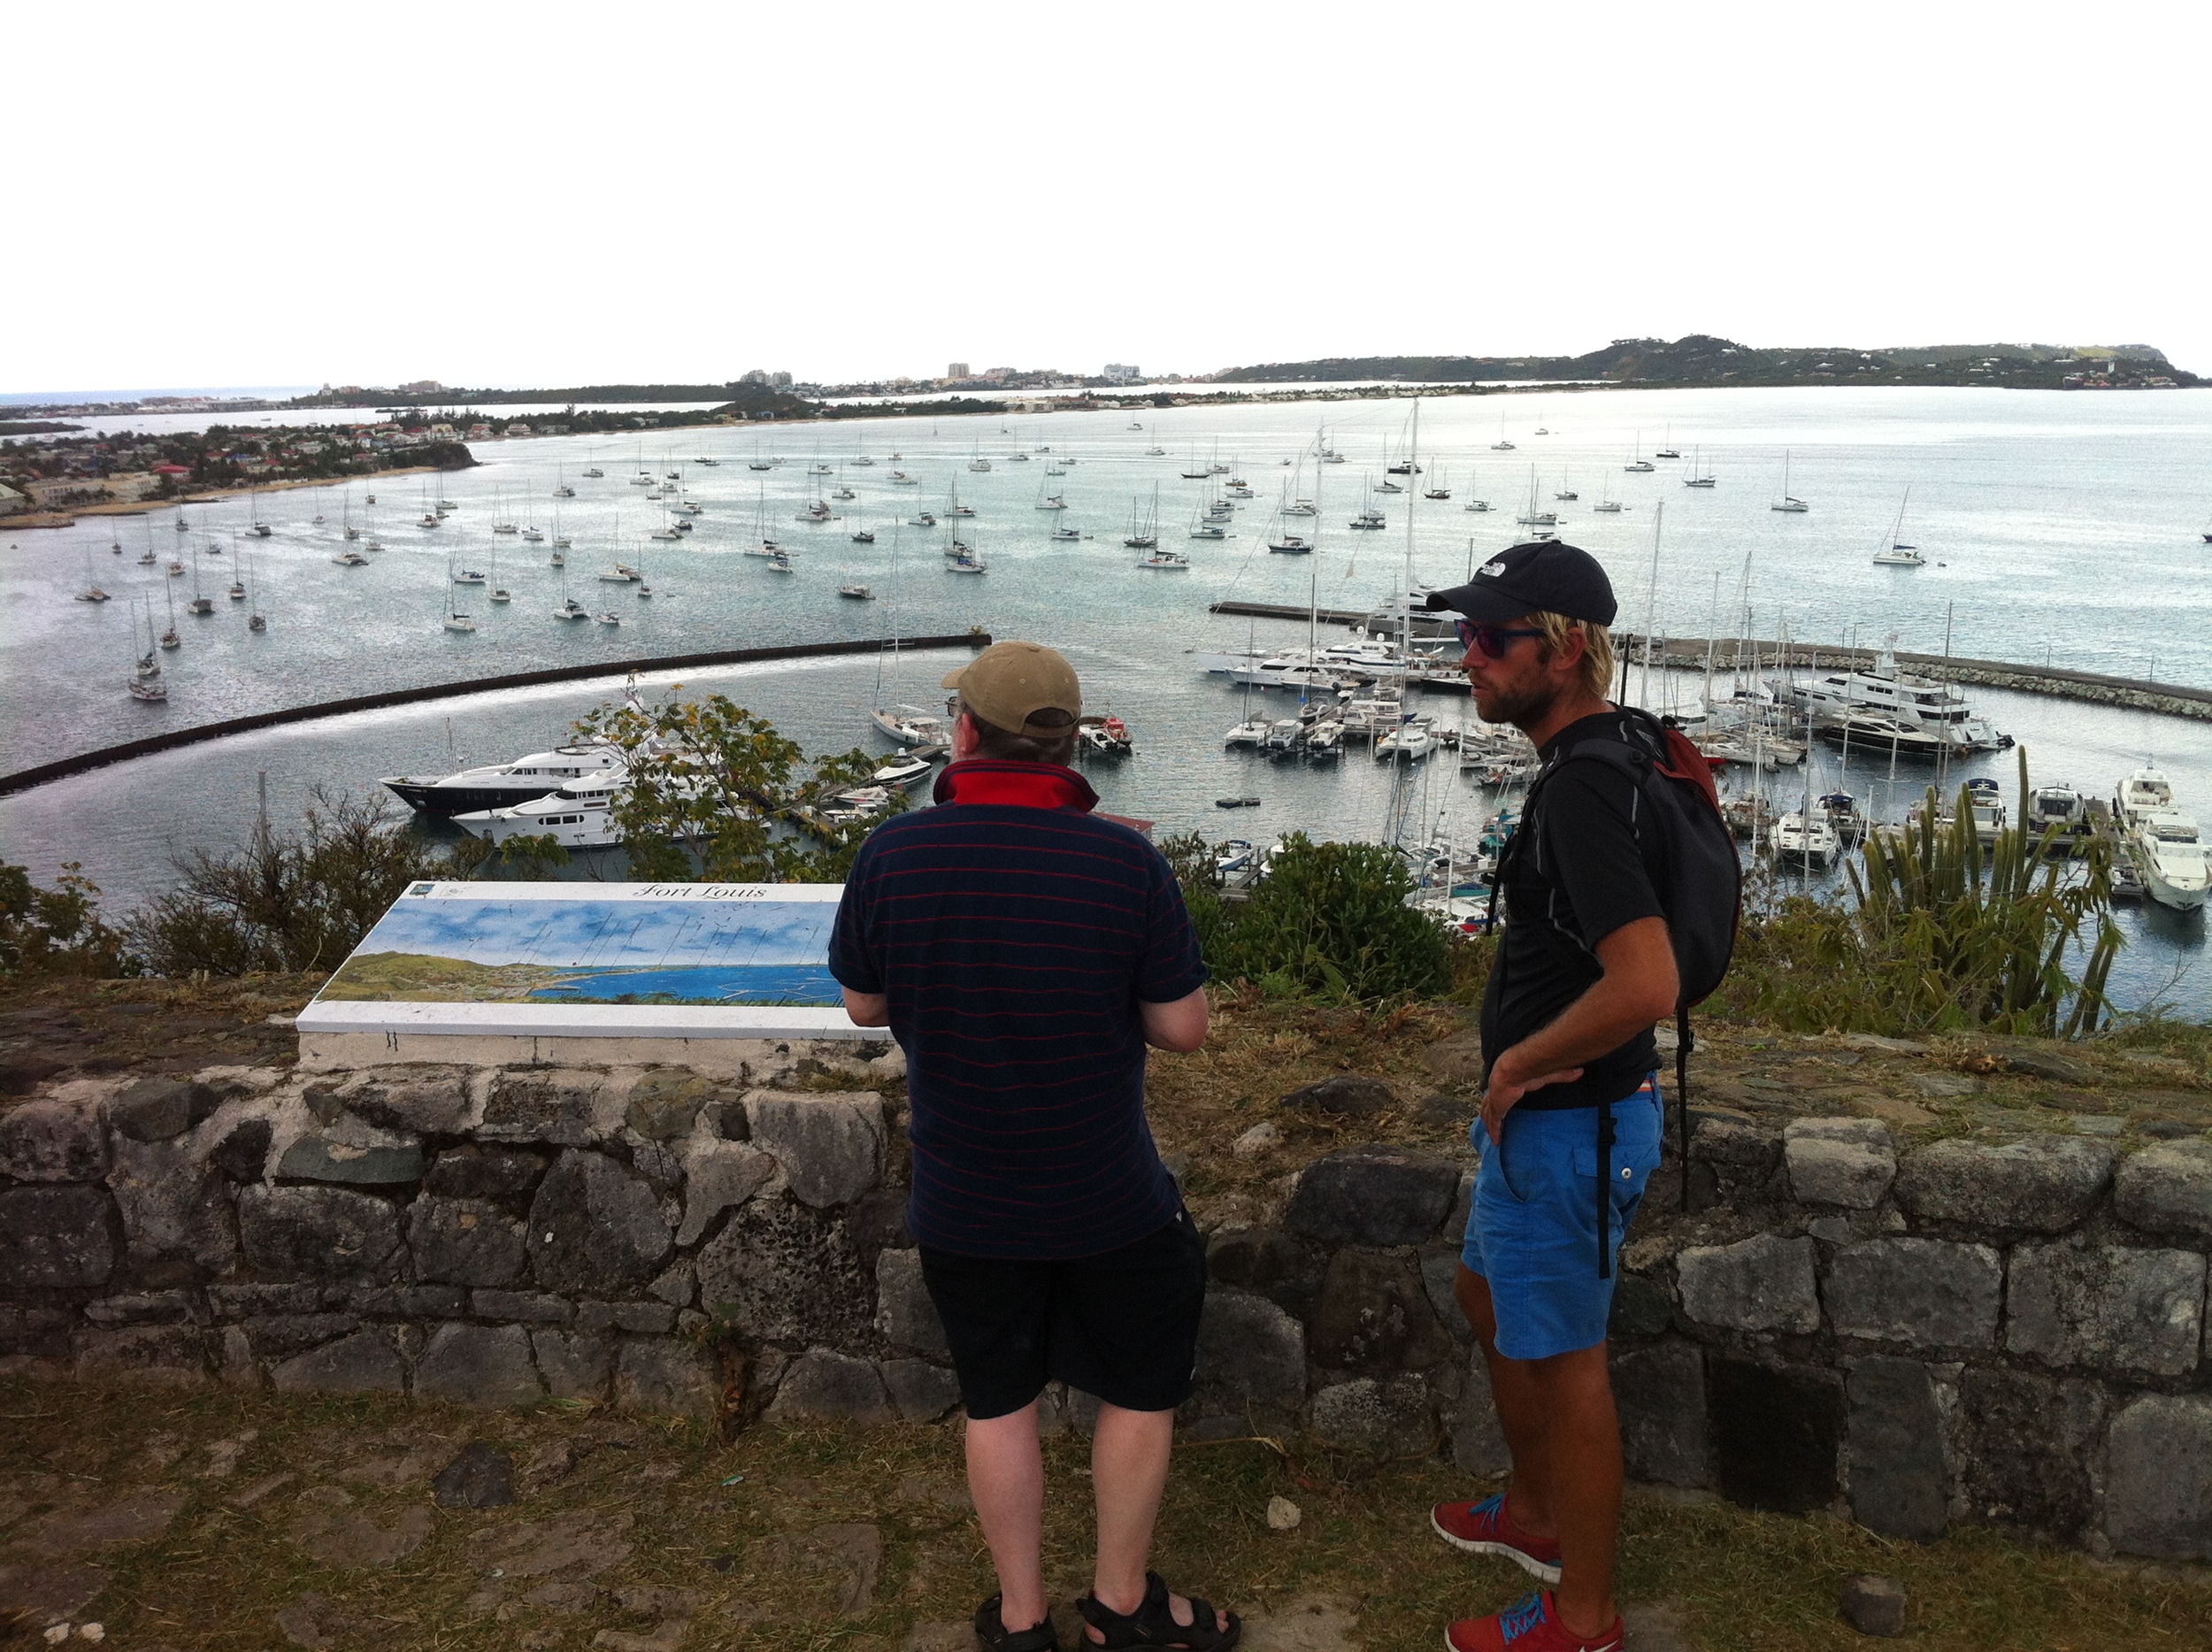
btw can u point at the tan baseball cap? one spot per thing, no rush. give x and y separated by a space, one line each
1010 682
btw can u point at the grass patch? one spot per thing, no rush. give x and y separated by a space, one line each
749 1532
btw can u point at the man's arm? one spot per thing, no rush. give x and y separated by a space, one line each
1179 1027
868 1008
1639 986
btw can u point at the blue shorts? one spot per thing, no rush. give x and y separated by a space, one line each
1533 1231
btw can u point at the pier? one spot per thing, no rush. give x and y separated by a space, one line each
23 779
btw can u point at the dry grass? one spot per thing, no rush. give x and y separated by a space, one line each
739 1525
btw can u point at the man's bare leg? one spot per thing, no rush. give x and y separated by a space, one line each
1006 1475
1129 1459
1564 1437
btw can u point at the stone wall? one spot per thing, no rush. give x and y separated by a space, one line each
1964 1332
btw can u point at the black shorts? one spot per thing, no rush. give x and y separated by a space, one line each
1121 1325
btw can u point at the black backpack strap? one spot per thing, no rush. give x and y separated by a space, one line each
1683 1042
1605 1191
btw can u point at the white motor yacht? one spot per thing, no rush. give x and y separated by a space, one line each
578 814
2169 853
1251 732
499 785
2147 791
1412 739
1935 709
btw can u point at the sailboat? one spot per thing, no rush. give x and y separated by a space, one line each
259 528
256 621
169 638
764 542
500 593
561 489
1791 503
1699 477
455 619
1900 555
145 680
201 602
1636 460
1144 533
91 591
1501 445
1666 449
350 532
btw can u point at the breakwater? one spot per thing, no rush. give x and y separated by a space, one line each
2128 693
23 779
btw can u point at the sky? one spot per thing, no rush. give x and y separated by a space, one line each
630 935
556 195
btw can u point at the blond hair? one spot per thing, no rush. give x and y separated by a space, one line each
1596 664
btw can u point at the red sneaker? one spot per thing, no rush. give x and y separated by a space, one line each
1486 1528
1528 1626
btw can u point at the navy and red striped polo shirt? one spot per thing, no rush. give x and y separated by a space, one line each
1014 934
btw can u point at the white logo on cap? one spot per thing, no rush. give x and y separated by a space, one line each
1491 569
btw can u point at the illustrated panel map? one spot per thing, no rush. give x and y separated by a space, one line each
734 945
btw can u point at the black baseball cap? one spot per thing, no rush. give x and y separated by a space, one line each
1547 576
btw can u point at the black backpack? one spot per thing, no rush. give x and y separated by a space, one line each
1701 891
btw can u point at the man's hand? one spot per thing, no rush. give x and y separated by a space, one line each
1505 1090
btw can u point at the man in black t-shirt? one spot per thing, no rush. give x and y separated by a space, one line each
1584 968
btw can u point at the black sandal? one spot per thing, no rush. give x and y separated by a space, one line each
1154 1625
991 1630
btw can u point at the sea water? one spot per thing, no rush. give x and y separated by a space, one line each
2059 528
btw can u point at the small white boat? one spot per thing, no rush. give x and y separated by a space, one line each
468 576
1167 561
571 609
858 593
459 622
967 562
1251 732
1065 534
610 618
351 559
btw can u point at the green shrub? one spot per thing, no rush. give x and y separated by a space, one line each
1329 922
57 931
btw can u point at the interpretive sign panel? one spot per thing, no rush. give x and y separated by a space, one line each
702 960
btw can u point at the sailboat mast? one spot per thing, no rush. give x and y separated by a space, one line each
1651 605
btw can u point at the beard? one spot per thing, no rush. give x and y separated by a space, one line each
1524 705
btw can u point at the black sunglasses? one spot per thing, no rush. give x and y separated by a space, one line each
1491 641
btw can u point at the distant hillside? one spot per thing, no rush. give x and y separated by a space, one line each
1701 359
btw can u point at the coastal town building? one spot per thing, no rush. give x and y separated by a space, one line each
1121 373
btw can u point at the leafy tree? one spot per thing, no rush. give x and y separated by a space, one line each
57 931
715 793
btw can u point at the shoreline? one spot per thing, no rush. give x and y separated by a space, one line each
147 507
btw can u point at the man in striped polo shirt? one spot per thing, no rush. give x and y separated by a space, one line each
1024 952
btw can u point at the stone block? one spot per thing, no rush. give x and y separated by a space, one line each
479 1365
242 1302
1343 1095
1927 1293
2168 1190
676 1287
574 1367
173 1204
829 1145
426 1100
1368 1419
1775 1433
2043 1184
158 1356
1641 1306
1478 1438
823 1386
1373 1316
274 1338
242 1155
141 1307
367 1362
559 1106
666 1103
1439 1274
1764 1283
594 1227
503 1176
922 1392
666 1378
319 1232
1848 1162
529 1307
1251 1349
2026 1443
1259 1258
1900 1484
781 1272
1873 1606
464 1242
1733 1161
2041 1058
53 1141
1659 1392
905 1314
1456 1060
57 1238
1373 1195
315 1159
2158 1478
646 1318
158 1108
2107 1306
408 1302
717 1175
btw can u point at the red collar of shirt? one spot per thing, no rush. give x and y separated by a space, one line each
1023 785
